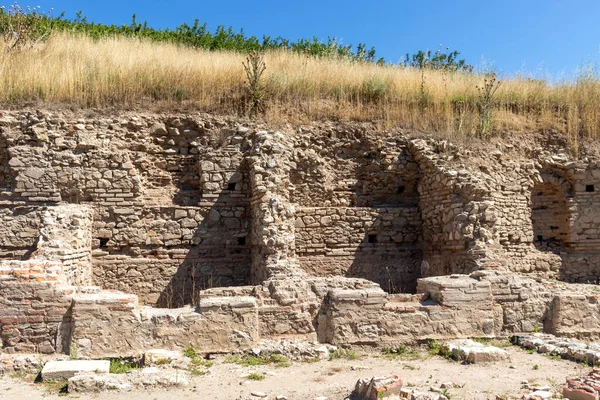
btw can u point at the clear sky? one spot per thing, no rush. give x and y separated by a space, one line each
537 37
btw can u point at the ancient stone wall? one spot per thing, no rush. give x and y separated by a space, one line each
34 306
334 227
376 243
19 231
182 249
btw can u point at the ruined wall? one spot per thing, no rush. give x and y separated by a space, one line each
582 262
550 216
19 231
379 244
457 214
357 211
170 212
34 306
332 225
166 254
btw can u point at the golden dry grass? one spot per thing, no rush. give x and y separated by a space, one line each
122 71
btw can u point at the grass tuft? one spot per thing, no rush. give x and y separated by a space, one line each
347 354
118 366
256 376
250 360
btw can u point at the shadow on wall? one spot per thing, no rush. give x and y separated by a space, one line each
5 176
220 254
377 236
390 251
550 215
389 255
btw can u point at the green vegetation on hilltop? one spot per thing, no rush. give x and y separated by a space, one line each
38 24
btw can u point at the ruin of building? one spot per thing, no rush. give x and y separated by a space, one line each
119 234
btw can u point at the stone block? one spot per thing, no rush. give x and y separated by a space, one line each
157 355
57 370
474 352
377 387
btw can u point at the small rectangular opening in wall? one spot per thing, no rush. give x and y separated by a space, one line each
231 186
589 188
103 243
540 238
372 238
401 189
241 241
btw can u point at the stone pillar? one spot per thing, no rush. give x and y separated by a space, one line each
66 237
272 213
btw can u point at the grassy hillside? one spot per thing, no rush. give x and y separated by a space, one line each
98 71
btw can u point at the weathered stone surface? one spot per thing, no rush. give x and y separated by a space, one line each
160 356
474 352
377 387
57 370
146 378
583 388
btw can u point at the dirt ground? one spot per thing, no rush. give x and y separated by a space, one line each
335 379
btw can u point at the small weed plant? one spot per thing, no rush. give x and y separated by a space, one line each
347 354
446 393
59 387
118 366
401 352
251 360
255 67
554 356
255 376
197 362
22 28
73 351
490 86
197 372
436 349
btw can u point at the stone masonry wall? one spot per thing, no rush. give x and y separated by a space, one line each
333 226
34 306
19 231
379 244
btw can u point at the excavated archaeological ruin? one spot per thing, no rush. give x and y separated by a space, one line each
119 234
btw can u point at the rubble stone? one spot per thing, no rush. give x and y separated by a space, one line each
377 387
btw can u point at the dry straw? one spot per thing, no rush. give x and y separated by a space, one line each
123 71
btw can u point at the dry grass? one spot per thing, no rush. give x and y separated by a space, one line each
121 71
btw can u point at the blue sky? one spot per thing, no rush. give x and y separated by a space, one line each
532 36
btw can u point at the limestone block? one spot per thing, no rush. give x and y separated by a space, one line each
474 352
155 355
57 370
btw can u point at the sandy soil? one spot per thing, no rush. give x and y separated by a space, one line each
335 379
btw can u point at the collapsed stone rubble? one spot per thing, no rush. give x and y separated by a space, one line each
377 387
583 388
567 348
